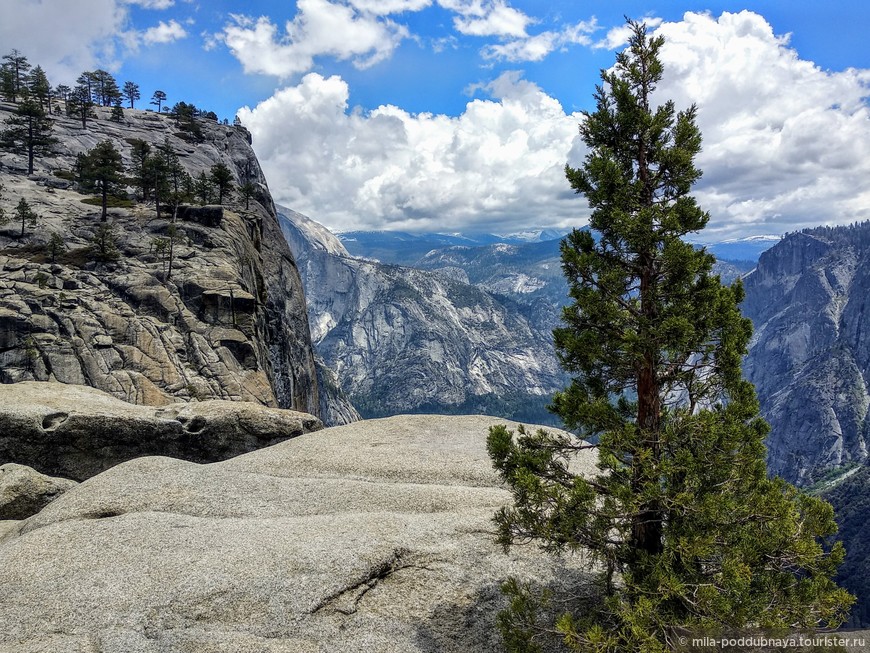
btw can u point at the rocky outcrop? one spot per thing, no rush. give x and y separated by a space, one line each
229 321
24 491
810 354
407 340
77 432
375 536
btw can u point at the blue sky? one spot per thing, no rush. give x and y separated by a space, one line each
458 115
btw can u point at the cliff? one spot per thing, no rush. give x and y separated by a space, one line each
406 340
228 323
810 354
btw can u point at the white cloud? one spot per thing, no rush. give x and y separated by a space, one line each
786 144
64 37
387 7
494 167
319 28
164 33
617 37
537 47
487 18
151 4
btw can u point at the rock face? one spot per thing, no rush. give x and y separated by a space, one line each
24 491
77 432
375 536
229 322
810 354
407 340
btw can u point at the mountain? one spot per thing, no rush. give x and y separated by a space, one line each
407 340
810 355
742 249
404 248
228 323
527 273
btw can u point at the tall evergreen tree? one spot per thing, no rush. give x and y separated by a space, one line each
131 93
102 170
19 66
7 84
40 89
62 91
140 152
156 177
29 131
203 188
88 81
683 511
105 88
80 104
158 98
222 177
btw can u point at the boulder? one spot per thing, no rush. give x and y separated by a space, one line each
24 491
77 432
376 536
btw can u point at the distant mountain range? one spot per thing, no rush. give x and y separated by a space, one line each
410 340
404 248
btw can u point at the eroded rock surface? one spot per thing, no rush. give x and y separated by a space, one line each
24 491
226 319
77 432
376 536
810 354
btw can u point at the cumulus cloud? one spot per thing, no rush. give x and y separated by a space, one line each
617 37
151 4
164 33
493 167
387 7
64 37
785 142
537 47
487 18
319 28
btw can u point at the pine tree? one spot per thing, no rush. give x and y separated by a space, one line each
104 243
156 178
222 177
80 104
29 131
203 188
18 66
247 191
40 89
140 152
102 169
25 214
117 112
105 88
683 512
158 98
131 93
55 246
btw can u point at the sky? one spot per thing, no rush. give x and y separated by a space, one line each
460 115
